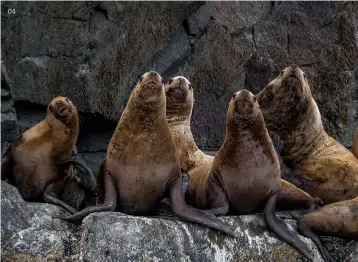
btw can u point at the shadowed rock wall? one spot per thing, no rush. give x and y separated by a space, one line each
92 52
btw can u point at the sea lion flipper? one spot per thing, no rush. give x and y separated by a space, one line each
190 214
185 182
307 232
83 174
109 204
51 196
278 228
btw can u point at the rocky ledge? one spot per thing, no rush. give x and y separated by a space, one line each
35 232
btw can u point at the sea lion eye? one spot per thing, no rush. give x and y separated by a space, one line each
171 81
66 99
233 95
161 79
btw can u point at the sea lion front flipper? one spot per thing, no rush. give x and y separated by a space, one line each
307 232
51 195
291 197
109 204
191 214
280 230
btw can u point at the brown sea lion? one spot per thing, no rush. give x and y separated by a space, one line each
337 219
245 173
32 164
180 101
141 165
355 143
320 165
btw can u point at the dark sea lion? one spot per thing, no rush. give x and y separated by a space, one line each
320 165
180 101
337 219
245 173
32 163
141 165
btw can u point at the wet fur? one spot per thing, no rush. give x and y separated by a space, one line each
180 101
31 163
320 165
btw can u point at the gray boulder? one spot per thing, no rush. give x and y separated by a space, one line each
35 232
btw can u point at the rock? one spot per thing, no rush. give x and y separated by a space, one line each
115 237
9 128
34 231
92 52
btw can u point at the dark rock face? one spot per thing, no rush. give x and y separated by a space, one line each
92 52
35 232
9 128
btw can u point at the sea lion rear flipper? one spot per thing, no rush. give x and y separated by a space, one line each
307 232
191 214
109 204
280 230
51 195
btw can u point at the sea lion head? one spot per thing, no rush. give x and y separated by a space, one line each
179 92
244 106
285 100
149 90
62 109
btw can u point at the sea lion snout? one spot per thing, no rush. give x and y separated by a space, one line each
246 95
151 77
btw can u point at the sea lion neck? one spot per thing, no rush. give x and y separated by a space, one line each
305 138
179 115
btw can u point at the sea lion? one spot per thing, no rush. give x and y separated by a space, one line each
180 101
245 173
141 165
32 163
77 187
355 144
320 165
337 219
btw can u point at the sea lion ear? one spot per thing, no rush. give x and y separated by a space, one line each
255 99
170 81
140 77
189 85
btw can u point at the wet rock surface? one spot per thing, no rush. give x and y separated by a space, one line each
35 232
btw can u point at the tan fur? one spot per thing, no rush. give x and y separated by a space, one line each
180 100
42 147
246 166
339 218
323 167
141 155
